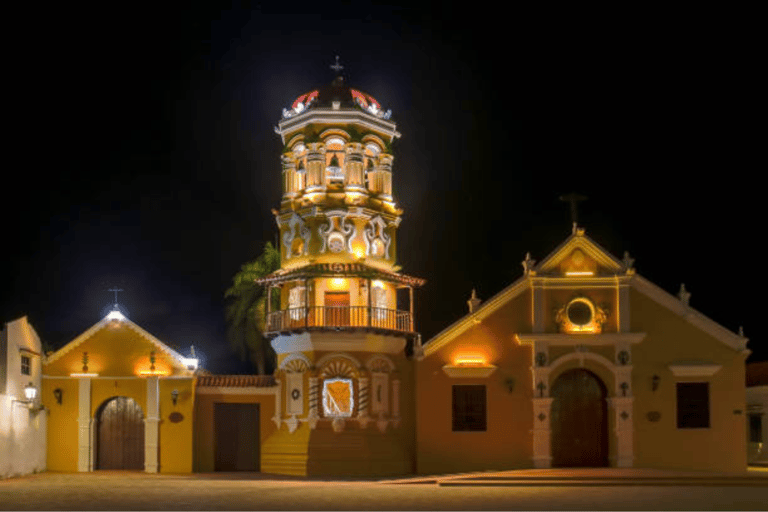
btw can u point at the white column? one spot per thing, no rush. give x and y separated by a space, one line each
278 417
542 433
84 424
624 421
151 425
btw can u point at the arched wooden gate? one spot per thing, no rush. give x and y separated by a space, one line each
120 438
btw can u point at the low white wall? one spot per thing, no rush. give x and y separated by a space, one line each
22 439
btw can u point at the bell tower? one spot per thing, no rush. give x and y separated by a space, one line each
344 331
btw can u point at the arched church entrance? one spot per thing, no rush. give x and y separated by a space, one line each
120 434
579 420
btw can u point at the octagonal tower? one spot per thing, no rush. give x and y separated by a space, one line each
345 319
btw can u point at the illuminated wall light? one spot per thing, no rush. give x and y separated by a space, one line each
337 283
190 362
580 273
378 284
161 373
86 375
469 361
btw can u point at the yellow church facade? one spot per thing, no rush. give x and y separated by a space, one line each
582 362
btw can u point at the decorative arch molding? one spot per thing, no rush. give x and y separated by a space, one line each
374 139
338 365
295 363
380 364
580 356
296 227
295 140
335 132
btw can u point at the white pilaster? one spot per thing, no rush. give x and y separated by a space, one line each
84 424
151 425
542 433
624 421
314 394
362 415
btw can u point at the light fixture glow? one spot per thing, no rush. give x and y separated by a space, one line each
580 273
190 362
83 374
337 283
468 360
115 315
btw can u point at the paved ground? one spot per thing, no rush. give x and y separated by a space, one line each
586 489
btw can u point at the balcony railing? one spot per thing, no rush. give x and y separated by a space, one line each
339 317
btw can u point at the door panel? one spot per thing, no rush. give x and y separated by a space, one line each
120 438
237 437
337 309
579 420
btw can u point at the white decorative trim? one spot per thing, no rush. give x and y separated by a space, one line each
337 355
374 230
85 425
318 115
290 235
579 240
152 426
468 321
292 423
300 358
694 369
104 323
346 229
692 316
466 372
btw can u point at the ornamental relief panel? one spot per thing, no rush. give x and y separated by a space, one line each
377 242
296 237
337 233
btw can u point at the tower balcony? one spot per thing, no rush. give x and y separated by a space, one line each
337 318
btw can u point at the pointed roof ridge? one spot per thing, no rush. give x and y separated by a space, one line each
102 324
598 252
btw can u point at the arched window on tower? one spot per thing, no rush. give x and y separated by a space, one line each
334 154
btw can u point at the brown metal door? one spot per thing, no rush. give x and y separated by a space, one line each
120 443
237 437
579 420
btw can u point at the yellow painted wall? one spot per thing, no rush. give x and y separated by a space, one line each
204 428
507 443
176 437
661 444
62 424
115 350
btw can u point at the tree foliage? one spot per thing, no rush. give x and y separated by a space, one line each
246 310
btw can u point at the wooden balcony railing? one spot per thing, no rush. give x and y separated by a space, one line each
339 317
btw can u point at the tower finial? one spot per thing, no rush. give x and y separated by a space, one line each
115 290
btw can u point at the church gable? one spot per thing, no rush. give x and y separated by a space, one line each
579 255
116 348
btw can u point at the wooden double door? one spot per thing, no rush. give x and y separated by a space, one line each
120 434
579 420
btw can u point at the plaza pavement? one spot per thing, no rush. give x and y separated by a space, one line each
558 489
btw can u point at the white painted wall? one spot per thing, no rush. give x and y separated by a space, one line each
22 431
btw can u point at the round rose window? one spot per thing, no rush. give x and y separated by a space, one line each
579 313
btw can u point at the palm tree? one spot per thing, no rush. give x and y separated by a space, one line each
245 312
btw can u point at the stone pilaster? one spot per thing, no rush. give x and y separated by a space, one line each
363 404
84 427
542 433
151 426
624 421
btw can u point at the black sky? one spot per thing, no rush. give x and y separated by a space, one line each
146 157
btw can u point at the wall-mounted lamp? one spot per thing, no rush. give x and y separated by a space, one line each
655 382
57 394
30 393
175 396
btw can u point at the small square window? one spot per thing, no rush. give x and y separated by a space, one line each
692 405
469 411
26 364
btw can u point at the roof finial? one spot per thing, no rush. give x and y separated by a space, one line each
573 198
473 302
684 295
337 67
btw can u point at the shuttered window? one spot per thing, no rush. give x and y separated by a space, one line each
469 411
692 405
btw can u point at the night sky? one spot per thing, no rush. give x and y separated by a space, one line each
146 157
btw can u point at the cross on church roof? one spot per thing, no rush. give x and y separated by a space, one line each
115 290
337 67
573 198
